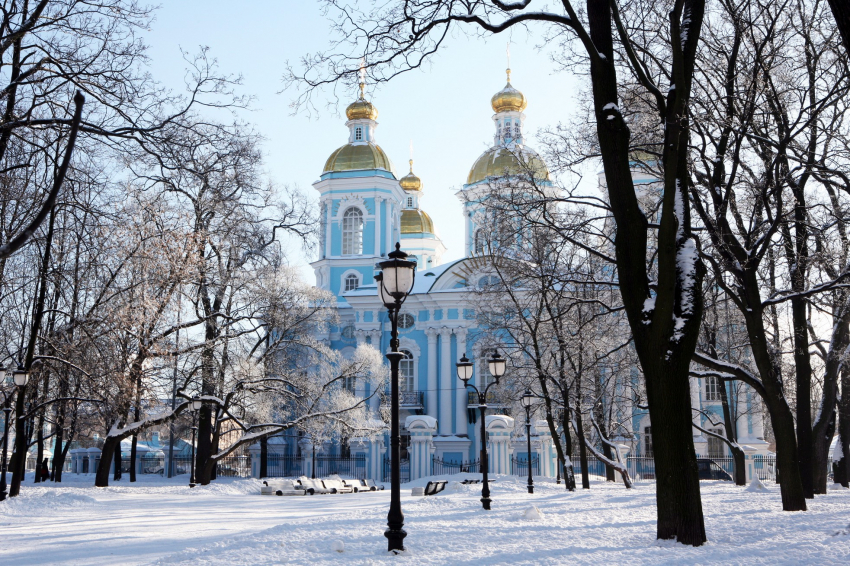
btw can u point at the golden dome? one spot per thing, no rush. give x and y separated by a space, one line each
501 161
410 182
361 109
415 221
352 157
508 99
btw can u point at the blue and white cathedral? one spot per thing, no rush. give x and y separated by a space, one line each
365 208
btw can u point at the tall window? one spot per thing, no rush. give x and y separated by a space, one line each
352 282
716 447
647 442
350 384
712 388
358 134
409 202
478 243
352 232
405 371
508 129
516 130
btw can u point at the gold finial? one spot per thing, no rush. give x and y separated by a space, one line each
411 156
362 79
411 166
508 52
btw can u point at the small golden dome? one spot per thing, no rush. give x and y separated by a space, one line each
501 161
415 221
352 157
361 109
508 99
410 182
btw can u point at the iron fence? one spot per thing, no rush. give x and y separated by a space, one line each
284 466
348 466
519 466
404 471
441 467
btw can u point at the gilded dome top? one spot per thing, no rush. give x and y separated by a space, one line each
410 182
361 109
508 99
500 161
415 221
351 157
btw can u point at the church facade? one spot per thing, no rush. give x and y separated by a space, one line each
365 208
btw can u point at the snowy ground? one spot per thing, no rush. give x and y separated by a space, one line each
157 521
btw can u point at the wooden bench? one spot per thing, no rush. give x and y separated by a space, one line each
435 487
281 487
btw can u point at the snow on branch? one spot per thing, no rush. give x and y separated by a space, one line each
727 370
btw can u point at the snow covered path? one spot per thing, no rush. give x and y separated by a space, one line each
157 522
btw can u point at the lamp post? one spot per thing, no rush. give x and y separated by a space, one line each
7 409
496 365
20 376
196 406
527 400
395 282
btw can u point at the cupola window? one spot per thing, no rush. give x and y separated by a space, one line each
516 130
358 133
352 232
409 202
352 282
478 244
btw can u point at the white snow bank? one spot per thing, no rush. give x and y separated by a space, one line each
44 503
756 486
532 514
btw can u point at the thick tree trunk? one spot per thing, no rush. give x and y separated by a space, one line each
842 472
803 369
264 457
582 451
117 472
133 442
107 456
841 12
790 486
821 440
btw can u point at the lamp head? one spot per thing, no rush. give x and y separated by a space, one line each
21 376
196 403
527 399
464 369
497 365
398 274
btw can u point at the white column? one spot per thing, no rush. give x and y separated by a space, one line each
700 443
378 202
460 390
741 423
446 382
328 223
757 417
431 400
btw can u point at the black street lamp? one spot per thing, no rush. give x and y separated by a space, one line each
7 409
195 406
497 366
527 400
395 281
20 376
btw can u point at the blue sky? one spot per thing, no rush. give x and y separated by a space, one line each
444 108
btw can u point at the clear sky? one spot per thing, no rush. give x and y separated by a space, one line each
444 108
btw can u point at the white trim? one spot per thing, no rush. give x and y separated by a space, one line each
345 274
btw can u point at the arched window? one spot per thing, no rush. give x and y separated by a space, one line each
488 281
405 371
352 282
352 232
478 243
406 321
358 134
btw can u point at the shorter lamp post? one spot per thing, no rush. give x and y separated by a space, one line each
497 366
20 376
7 409
527 400
196 406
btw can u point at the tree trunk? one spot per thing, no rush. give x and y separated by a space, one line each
842 472
133 442
732 435
107 456
803 370
116 468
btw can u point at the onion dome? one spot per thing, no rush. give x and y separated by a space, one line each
361 109
415 221
501 161
410 182
508 99
352 157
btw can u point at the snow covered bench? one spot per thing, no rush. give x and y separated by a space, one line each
372 486
435 487
281 487
336 485
312 486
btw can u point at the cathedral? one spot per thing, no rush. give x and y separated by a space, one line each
365 208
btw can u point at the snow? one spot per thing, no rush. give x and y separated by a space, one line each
159 521
611 106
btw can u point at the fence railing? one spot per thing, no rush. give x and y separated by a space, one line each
404 471
519 466
412 399
348 466
283 466
441 467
